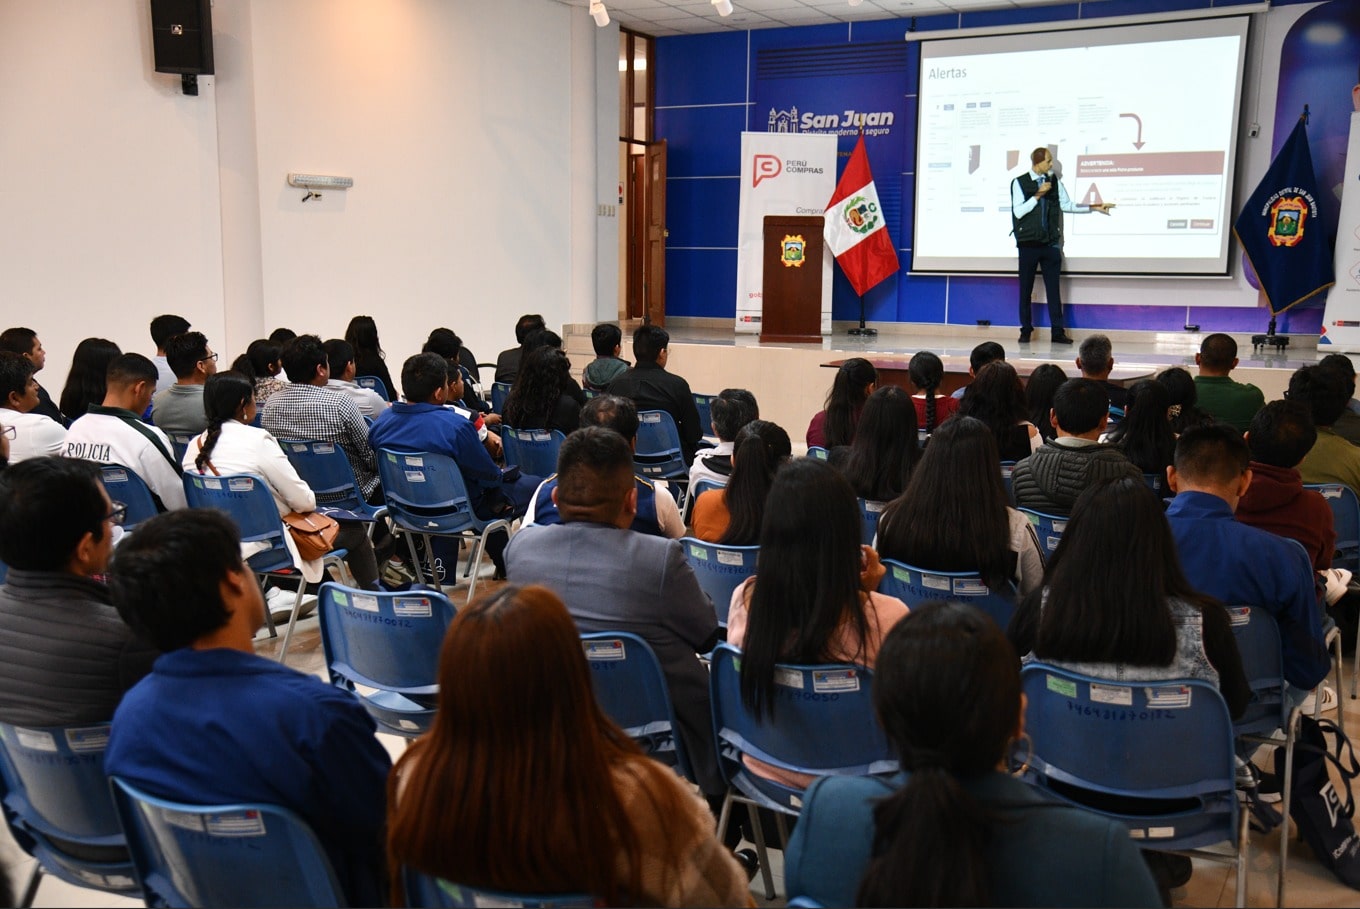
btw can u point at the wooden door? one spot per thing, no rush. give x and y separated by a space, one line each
654 280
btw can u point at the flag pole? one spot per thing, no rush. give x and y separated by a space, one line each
862 331
1270 339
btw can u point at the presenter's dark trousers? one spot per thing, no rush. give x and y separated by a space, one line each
1049 258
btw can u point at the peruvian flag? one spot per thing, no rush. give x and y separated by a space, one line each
855 229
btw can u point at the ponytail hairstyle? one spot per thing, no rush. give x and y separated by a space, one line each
224 394
931 836
926 372
847 396
257 362
760 449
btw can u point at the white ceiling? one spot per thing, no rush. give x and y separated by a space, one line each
690 17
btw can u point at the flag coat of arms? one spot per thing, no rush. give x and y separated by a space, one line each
1279 228
856 232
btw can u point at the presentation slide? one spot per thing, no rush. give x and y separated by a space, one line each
1144 117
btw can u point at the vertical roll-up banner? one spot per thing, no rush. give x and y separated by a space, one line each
1341 317
781 174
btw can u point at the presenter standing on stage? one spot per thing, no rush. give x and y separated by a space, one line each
1036 218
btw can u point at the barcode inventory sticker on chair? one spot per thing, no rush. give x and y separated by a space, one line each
1239 616
1059 526
88 739
934 582
414 461
118 475
240 484
970 587
415 476
1170 697
236 823
212 483
413 607
365 602
182 820
789 678
729 558
698 552
1121 695
323 447
1065 687
35 739
605 650
828 680
874 507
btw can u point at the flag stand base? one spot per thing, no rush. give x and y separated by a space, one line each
862 332
1269 339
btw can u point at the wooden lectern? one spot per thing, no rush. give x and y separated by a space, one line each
792 251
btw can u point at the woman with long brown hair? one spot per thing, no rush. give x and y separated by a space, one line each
524 785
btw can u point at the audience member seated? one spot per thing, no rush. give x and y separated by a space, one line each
615 580
306 409
1234 403
1331 459
162 328
997 398
730 410
657 514
1095 359
85 382
878 464
835 423
954 829
813 599
178 410
607 366
984 353
652 387
733 515
25 341
231 445
507 362
1240 565
926 372
473 799
1281 434
1051 479
449 346
1043 384
5 433
953 514
1348 424
113 433
66 656
214 724
262 363
1183 410
423 423
282 335
369 358
340 359
541 397
35 435
1144 435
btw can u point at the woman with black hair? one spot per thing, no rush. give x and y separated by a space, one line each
885 451
732 515
926 372
262 364
369 358
954 829
1144 435
1182 410
85 382
541 397
997 398
1043 384
835 424
954 514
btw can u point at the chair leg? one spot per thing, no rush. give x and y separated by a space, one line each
1355 666
31 889
475 563
783 826
1285 790
268 616
292 620
1243 848
724 817
1340 659
415 557
758 831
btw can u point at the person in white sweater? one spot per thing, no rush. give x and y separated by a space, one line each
35 435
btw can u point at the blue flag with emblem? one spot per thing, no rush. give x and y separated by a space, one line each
1280 231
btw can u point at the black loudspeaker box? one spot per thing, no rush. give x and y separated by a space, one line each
181 36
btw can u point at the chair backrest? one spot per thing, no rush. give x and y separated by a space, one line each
324 467
428 892
720 570
704 404
246 498
535 450
658 454
631 688
425 492
4 572
124 485
499 392
1345 521
54 793
1156 482
817 451
179 444
1008 468
698 489
386 641
373 383
915 586
1047 527
823 721
1162 740
223 855
1258 641
870 511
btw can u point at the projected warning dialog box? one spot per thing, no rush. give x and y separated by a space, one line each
1163 194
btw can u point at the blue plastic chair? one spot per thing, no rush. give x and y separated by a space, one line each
435 893
179 444
1167 742
720 570
704 404
818 452
499 392
325 468
870 511
55 797
223 855
915 586
1345 521
383 647
374 384
1047 527
1157 483
631 689
124 485
823 724
426 496
4 572
658 455
1007 468
535 450
246 499
692 495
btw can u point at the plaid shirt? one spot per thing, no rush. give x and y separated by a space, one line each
300 411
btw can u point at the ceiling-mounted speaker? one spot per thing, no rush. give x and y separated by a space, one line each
181 36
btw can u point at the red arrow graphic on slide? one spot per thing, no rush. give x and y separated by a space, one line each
1137 143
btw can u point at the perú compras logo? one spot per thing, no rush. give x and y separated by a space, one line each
765 167
860 214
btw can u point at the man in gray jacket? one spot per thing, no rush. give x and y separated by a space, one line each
66 656
1051 479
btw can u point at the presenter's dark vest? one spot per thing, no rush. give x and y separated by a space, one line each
645 521
1029 230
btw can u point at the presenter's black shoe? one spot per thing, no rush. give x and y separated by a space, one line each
1062 339
1024 336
